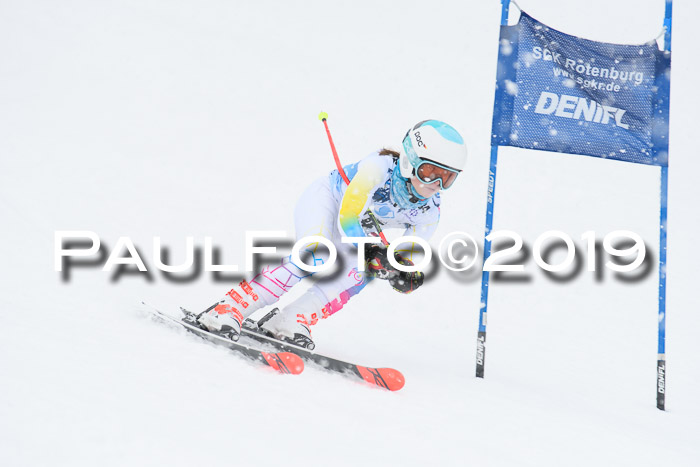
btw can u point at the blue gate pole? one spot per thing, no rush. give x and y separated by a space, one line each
663 231
490 197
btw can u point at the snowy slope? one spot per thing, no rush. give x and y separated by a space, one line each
171 119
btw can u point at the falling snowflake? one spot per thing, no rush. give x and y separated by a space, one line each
511 88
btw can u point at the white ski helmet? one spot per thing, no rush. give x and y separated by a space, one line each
435 141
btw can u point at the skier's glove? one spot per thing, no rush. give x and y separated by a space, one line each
378 266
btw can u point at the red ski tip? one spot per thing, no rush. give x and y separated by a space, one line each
285 362
387 378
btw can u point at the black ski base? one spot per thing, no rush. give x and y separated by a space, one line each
387 378
280 361
251 330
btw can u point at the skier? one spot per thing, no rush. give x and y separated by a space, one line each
433 155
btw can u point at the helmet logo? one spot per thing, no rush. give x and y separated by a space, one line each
419 140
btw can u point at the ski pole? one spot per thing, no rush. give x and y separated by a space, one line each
323 116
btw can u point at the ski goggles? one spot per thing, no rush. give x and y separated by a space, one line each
431 172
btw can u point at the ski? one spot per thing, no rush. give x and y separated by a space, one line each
284 361
387 378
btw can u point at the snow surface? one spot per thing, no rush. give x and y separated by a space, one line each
176 118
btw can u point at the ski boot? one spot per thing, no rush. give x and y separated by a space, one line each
286 327
221 319
292 323
226 316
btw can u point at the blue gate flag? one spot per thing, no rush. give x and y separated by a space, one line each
557 92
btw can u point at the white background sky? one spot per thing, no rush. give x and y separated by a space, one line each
176 118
